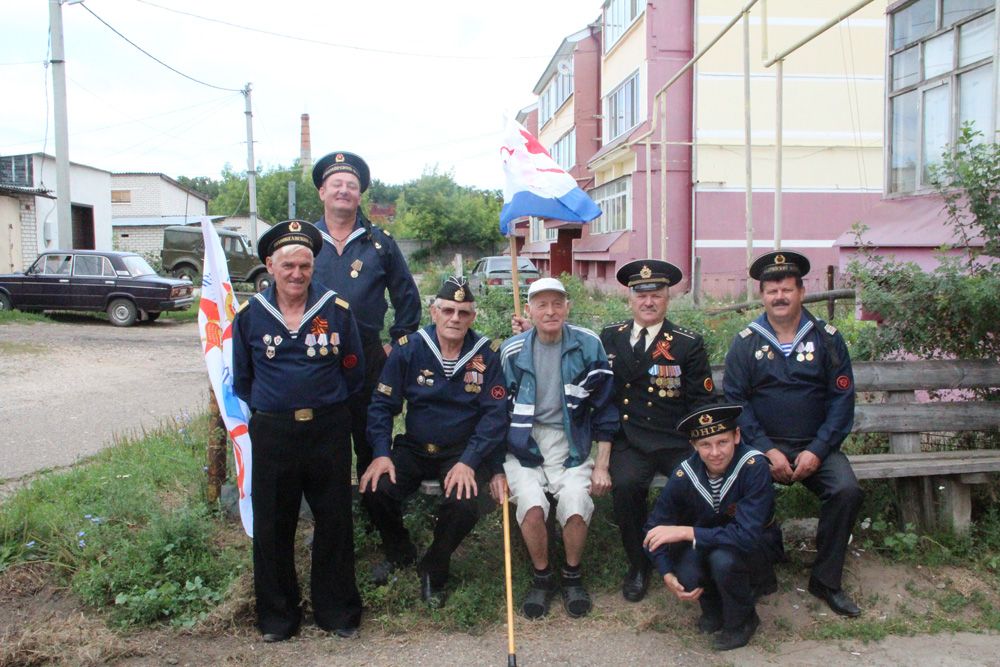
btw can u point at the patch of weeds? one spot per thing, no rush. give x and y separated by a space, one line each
795 502
21 317
108 528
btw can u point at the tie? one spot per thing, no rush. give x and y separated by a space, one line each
639 348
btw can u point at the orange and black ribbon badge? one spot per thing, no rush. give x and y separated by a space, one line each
319 326
663 350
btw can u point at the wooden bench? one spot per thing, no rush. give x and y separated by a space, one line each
934 486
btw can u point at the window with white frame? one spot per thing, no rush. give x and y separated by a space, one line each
539 232
615 201
622 109
556 92
941 75
619 15
564 150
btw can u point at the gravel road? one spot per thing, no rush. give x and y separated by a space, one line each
70 386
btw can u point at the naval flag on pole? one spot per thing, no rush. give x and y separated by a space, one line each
215 323
536 185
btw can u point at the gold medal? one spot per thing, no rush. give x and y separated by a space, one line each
323 351
770 355
650 390
354 274
809 356
662 393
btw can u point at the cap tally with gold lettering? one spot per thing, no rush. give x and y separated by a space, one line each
710 420
341 161
456 288
646 275
778 265
289 232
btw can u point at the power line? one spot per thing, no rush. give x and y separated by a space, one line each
308 40
147 53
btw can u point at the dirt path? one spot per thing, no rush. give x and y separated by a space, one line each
68 387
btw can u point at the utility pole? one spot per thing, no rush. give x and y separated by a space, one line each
64 209
251 168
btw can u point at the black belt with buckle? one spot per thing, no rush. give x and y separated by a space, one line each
302 414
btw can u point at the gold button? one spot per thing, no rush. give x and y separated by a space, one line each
649 404
624 418
625 402
628 385
649 389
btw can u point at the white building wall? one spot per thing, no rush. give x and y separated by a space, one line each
152 195
88 187
147 239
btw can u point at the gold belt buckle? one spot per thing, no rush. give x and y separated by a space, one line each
432 448
304 415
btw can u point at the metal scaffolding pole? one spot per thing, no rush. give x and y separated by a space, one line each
779 87
251 168
748 156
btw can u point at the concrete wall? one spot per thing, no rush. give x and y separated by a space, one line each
89 187
141 239
153 195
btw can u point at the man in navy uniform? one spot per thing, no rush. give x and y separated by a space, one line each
661 374
297 362
792 373
361 262
456 419
712 534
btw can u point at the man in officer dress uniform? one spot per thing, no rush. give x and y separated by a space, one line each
792 374
661 373
297 362
456 418
361 262
712 534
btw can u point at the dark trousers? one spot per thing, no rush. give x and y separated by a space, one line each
840 501
291 459
358 404
727 576
455 518
631 472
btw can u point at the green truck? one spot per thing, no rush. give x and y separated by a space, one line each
184 250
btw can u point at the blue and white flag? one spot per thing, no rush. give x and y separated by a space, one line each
536 185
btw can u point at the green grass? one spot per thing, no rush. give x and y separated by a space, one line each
127 530
21 317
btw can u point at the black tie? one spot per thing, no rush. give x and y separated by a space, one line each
639 348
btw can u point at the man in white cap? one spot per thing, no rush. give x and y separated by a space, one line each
561 388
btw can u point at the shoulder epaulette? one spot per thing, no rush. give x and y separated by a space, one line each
685 332
343 304
746 332
246 302
494 345
615 324
830 329
402 340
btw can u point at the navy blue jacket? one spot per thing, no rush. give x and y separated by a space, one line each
370 264
468 410
744 521
806 397
273 369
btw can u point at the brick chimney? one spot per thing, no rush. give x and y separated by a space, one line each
305 157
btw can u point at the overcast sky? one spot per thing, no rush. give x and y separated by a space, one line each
406 84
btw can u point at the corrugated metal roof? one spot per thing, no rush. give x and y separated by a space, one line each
19 190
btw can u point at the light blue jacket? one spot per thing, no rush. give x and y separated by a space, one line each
589 413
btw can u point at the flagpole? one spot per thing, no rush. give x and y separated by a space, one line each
514 278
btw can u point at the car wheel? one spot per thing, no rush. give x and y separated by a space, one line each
185 272
5 303
262 282
122 313
152 317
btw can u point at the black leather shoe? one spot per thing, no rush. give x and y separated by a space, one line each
271 637
838 600
709 625
727 640
635 585
433 595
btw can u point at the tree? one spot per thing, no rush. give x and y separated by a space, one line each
954 310
202 184
272 195
437 209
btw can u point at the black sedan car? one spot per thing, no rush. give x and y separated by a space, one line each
122 284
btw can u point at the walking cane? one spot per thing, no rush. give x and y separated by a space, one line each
511 654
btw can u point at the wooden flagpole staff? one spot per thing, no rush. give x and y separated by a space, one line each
511 653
